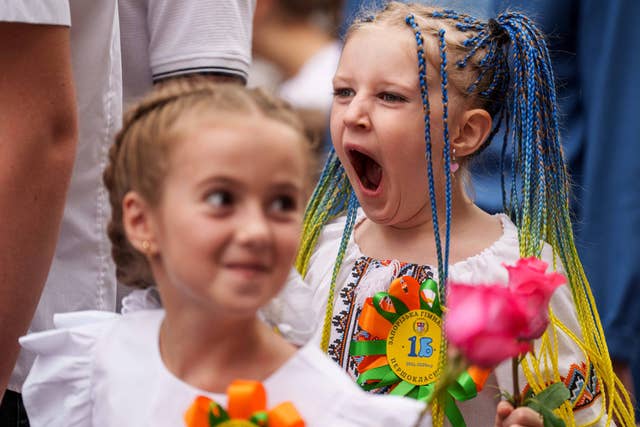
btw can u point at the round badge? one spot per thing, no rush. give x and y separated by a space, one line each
413 347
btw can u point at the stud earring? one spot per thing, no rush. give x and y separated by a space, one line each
146 246
454 165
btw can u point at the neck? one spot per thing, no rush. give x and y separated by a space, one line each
412 240
462 208
303 41
209 350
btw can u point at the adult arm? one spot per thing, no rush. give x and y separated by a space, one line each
38 134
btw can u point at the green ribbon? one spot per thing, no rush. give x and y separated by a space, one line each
462 389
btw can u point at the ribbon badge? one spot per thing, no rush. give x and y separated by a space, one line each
404 345
247 401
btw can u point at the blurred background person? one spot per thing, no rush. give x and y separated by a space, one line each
164 39
297 50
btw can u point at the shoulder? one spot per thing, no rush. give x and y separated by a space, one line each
487 266
326 250
60 388
53 12
79 331
59 384
332 231
74 333
292 311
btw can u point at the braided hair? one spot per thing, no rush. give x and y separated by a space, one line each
139 157
502 66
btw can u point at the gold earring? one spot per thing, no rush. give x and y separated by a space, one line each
146 246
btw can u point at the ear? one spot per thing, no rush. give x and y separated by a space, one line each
473 130
139 225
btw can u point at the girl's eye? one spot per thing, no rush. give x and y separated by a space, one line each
343 92
283 204
219 199
391 97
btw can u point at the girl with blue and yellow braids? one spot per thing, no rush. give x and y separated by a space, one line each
417 94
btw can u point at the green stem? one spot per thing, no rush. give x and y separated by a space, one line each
517 398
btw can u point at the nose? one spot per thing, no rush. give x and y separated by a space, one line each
254 230
356 115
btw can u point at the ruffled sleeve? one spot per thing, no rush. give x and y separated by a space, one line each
58 390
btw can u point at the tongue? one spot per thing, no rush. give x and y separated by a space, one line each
373 173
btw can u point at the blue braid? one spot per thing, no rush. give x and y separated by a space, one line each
477 42
503 156
446 153
422 74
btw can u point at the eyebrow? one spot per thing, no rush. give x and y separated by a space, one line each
219 180
401 86
287 186
228 181
339 80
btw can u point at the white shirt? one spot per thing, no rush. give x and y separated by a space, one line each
166 38
82 275
101 371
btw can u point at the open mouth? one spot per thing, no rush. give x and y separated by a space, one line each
368 170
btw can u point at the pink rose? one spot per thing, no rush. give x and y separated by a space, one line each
529 280
484 322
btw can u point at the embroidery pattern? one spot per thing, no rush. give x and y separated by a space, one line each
583 384
346 312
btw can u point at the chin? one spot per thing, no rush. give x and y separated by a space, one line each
382 215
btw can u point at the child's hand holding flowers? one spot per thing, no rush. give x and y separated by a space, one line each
508 416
